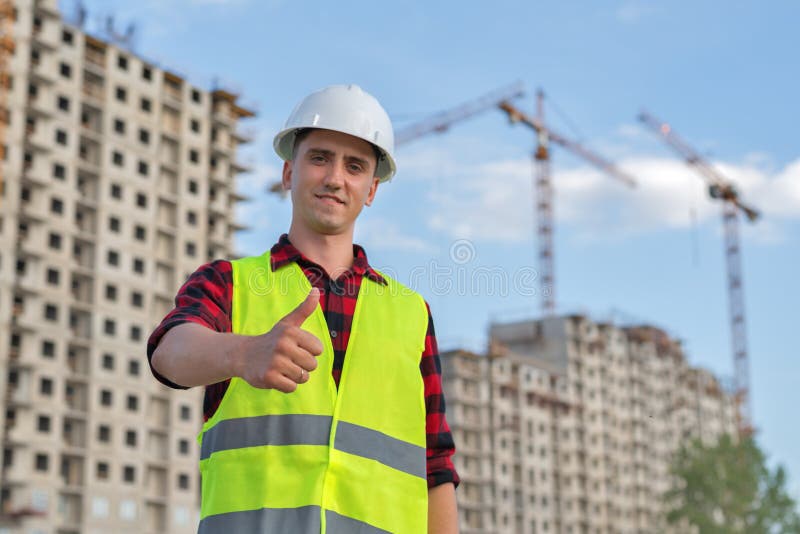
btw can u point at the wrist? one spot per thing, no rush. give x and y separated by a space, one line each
234 356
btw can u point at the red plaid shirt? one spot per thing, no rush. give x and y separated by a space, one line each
206 297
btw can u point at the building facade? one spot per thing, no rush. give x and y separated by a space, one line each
569 426
118 182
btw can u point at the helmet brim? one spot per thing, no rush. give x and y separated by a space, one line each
283 144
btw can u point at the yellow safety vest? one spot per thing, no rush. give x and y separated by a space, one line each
322 460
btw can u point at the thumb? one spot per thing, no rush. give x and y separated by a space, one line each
304 309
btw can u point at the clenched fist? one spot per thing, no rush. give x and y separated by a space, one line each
282 358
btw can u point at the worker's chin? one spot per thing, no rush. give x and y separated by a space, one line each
330 227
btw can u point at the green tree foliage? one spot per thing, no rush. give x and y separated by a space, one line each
727 488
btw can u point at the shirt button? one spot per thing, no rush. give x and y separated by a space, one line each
333 334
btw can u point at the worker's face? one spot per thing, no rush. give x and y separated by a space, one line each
331 178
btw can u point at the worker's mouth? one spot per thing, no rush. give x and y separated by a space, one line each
330 198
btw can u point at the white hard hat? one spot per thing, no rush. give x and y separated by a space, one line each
347 109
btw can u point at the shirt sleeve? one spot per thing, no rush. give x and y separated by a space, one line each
205 299
440 446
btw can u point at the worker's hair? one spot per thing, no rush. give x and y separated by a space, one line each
299 135
302 133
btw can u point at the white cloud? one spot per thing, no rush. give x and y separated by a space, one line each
761 160
495 200
600 206
782 197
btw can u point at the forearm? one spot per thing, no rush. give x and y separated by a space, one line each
442 511
193 355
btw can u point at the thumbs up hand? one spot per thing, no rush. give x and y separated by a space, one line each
282 358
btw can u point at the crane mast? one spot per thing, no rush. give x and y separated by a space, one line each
720 188
544 211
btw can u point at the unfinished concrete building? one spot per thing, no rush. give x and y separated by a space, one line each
580 421
119 181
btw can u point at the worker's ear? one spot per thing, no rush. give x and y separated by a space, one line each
286 177
372 190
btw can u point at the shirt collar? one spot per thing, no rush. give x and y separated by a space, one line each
283 253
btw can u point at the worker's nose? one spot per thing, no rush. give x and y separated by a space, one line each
335 176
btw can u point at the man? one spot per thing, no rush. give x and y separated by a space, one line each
323 388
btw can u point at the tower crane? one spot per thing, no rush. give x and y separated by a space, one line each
719 188
544 187
441 122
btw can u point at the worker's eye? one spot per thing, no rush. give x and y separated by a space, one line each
355 167
317 158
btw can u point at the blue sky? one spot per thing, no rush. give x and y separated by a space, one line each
723 73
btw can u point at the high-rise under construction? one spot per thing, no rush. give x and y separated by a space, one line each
569 426
117 182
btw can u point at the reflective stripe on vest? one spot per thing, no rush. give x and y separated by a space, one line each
278 520
303 429
320 460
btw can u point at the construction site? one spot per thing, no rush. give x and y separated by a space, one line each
120 176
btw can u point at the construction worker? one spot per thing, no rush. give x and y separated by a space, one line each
323 401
